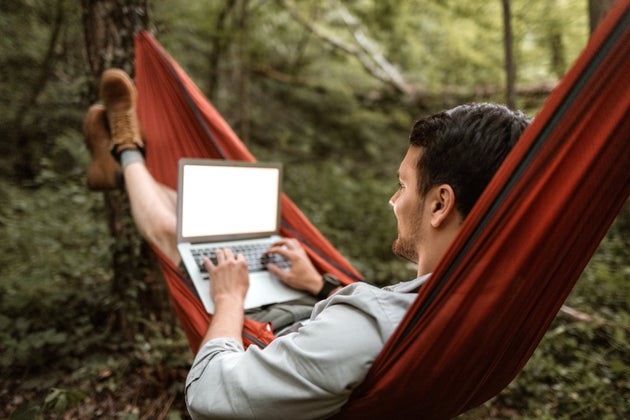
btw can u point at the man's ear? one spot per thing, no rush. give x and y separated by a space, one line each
442 204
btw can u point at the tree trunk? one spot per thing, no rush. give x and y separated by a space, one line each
137 288
218 45
25 166
597 10
510 69
243 58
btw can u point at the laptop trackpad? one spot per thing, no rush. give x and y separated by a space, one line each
265 289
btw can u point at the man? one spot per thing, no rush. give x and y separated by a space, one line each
311 371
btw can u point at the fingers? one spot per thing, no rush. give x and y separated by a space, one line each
229 275
287 247
284 252
289 243
223 255
207 262
277 271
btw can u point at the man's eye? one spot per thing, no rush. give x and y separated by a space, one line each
400 185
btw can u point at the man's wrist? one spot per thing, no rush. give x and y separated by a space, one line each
228 299
331 282
227 320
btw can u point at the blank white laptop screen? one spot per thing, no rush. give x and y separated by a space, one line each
225 204
221 202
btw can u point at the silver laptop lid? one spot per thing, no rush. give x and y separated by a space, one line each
221 200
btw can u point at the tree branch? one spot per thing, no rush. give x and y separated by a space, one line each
41 81
390 73
367 55
575 314
218 46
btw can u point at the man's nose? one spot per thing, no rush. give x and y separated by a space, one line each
392 200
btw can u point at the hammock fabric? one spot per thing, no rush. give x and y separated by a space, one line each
177 122
492 297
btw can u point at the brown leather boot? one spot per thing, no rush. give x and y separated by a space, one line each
103 172
119 95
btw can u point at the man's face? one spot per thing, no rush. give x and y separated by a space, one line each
408 208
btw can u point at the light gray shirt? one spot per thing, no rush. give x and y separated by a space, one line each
307 374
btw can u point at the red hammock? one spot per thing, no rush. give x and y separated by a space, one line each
178 121
491 299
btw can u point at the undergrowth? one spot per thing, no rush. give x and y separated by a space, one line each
61 352
61 355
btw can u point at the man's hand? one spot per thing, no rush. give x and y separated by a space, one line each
229 278
302 275
229 281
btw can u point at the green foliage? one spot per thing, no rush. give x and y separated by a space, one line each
40 278
56 306
60 400
578 371
42 79
341 134
335 202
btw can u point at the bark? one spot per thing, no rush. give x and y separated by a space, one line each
597 10
109 28
218 46
25 165
510 68
244 69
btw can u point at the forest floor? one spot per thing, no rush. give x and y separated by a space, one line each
148 392
143 392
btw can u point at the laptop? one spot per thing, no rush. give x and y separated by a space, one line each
236 205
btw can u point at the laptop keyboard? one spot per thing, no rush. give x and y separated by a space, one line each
253 253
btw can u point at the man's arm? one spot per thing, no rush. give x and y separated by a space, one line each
307 374
230 281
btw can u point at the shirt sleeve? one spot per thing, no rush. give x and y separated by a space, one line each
308 374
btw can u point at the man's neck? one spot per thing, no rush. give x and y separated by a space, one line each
430 255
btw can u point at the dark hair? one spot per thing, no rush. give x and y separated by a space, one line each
463 147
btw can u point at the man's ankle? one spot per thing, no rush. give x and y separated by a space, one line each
129 156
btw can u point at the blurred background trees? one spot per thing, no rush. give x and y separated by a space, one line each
331 89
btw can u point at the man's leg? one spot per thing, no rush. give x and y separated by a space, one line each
113 130
153 208
153 205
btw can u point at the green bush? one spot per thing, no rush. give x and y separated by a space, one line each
54 269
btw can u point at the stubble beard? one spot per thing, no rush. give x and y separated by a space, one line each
406 247
405 250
